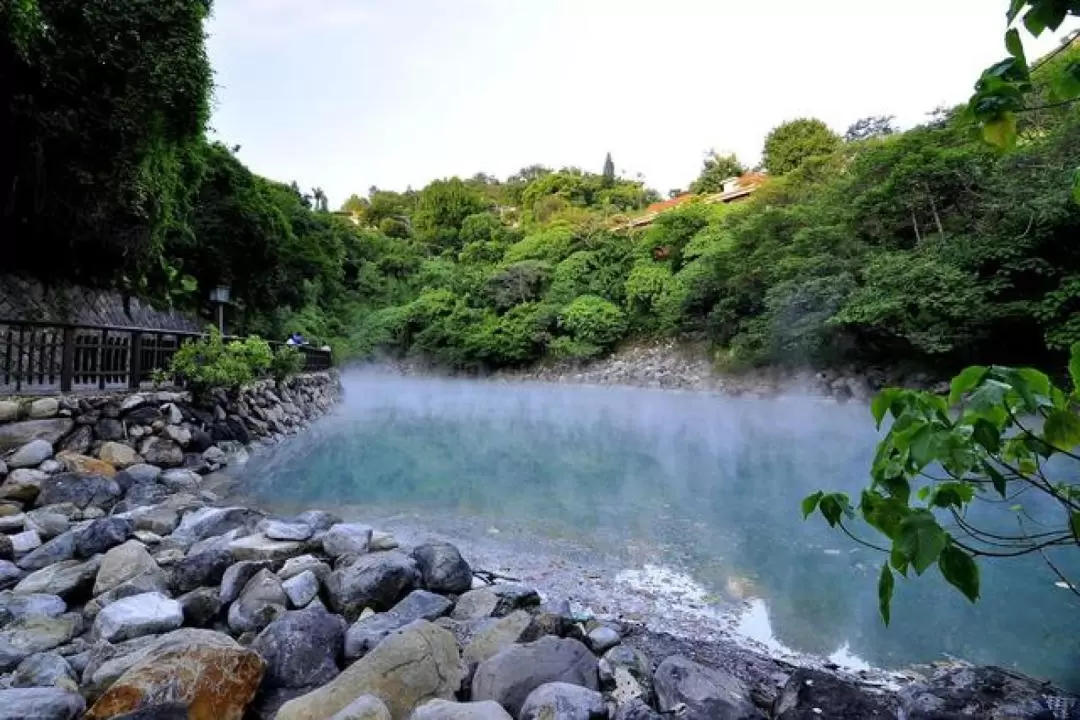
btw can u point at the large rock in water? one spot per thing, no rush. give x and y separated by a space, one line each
13 435
40 704
562 701
442 569
705 693
413 666
812 694
445 710
207 673
963 691
146 614
377 581
509 677
301 649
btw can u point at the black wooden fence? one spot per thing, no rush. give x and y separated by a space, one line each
48 357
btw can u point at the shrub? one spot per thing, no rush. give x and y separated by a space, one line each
552 245
518 283
593 320
288 361
210 362
565 348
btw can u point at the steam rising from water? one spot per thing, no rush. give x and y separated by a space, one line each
626 485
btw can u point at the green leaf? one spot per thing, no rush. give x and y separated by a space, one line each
810 503
1000 483
881 404
965 382
987 435
1014 45
898 561
1074 358
1014 9
1076 186
885 586
1062 429
960 570
1074 524
921 539
1001 132
953 494
833 506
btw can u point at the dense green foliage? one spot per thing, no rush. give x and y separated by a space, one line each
213 362
717 169
790 145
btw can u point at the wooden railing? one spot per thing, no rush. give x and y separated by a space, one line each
49 357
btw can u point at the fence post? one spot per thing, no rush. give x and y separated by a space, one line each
135 363
67 359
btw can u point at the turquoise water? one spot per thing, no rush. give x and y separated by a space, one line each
707 485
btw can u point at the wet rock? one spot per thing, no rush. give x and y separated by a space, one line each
383 541
22 485
10 574
122 563
103 535
201 607
66 579
208 522
45 670
35 634
301 649
199 570
602 638
260 547
368 632
207 673
318 520
237 576
146 614
14 435
278 530
178 480
161 451
442 568
563 701
704 693
963 691
301 589
377 581
31 454
118 455
76 463
40 704
497 635
19 607
80 490
811 694
626 673
56 550
347 539
410 667
260 602
510 676
365 707
297 565
445 710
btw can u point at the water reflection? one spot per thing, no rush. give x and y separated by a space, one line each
706 485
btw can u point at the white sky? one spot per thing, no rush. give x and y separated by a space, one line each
346 94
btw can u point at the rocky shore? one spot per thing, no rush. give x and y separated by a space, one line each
129 590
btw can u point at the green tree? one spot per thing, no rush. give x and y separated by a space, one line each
790 144
608 172
871 126
441 210
717 169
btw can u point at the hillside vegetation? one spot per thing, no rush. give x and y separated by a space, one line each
925 248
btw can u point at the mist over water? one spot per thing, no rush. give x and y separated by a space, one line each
703 486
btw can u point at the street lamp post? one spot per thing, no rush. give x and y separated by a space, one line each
220 297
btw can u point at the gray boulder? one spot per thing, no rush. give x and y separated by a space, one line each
442 569
161 451
446 710
121 564
142 495
377 581
279 530
704 693
318 520
47 522
365 707
79 489
602 638
102 535
14 435
368 632
626 673
109 429
24 542
811 694
295 566
563 701
494 601
158 520
495 635
45 670
201 606
637 709
10 574
23 485
208 522
141 473
963 691
237 576
152 581
19 607
260 603
199 570
300 649
66 579
79 441
56 550
178 480
31 454
260 547
33 635
346 539
510 676
301 589
147 614
40 704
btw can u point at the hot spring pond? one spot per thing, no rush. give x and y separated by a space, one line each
689 498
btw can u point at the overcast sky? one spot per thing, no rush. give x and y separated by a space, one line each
346 94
